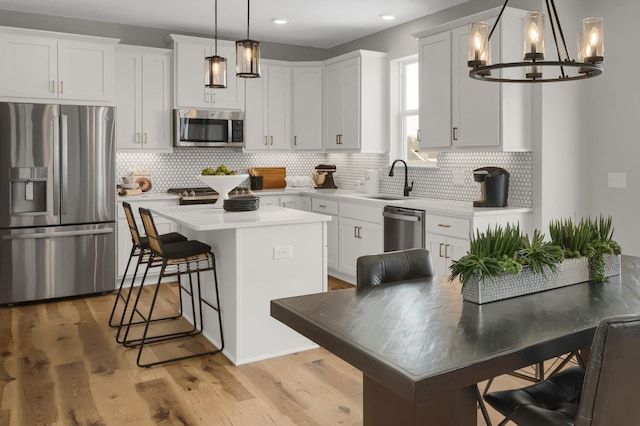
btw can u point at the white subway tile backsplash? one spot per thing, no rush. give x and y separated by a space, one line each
180 168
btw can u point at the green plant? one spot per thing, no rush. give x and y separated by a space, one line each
501 251
572 238
537 253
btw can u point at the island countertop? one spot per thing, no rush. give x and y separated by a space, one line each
203 217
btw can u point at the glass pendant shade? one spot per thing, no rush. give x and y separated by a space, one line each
534 36
592 45
479 47
216 65
247 58
217 71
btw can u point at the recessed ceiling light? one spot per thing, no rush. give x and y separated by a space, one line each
387 17
280 21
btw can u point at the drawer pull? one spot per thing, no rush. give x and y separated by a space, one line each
444 225
322 205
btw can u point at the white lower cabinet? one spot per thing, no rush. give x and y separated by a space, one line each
298 202
444 250
361 233
124 243
330 207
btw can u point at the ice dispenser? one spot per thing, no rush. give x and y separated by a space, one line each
28 190
494 186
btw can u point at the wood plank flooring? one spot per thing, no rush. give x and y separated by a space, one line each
60 365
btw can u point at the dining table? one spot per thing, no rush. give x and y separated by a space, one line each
422 348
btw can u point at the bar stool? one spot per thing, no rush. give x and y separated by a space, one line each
140 250
176 259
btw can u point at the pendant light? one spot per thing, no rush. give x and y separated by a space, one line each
216 65
534 68
247 55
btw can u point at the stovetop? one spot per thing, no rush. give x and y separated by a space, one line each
203 195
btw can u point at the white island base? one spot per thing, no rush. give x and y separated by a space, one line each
267 254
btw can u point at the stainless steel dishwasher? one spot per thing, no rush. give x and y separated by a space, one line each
403 228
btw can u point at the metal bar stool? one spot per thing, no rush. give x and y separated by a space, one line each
140 250
176 259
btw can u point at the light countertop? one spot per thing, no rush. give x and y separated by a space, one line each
203 217
430 205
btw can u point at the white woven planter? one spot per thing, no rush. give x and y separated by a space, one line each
570 271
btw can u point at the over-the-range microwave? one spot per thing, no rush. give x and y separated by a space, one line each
208 128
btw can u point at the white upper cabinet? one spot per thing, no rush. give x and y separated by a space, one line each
356 102
268 108
460 113
45 65
307 107
143 98
190 74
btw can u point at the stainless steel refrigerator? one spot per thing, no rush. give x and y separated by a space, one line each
57 201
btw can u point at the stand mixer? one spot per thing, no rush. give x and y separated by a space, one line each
323 176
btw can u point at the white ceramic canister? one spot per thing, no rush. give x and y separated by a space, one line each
372 181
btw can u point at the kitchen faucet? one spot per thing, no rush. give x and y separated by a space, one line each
407 188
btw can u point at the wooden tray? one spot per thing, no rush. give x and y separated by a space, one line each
273 177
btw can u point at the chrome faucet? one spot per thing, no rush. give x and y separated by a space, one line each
407 188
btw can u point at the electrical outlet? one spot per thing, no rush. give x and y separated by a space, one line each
282 252
617 180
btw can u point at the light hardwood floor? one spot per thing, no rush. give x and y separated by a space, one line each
61 366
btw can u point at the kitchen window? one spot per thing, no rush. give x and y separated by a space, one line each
406 114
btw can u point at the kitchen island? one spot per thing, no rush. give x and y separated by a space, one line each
261 255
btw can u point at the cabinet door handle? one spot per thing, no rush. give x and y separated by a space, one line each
440 250
213 98
61 86
266 140
444 225
340 139
137 137
337 141
145 137
359 229
271 141
455 133
53 86
446 251
355 232
295 140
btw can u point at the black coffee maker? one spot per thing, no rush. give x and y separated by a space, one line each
494 186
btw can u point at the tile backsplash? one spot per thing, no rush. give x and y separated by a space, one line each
180 168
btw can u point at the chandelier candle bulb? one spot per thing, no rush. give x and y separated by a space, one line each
593 40
534 36
479 47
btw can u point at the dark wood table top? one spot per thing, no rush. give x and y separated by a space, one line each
420 339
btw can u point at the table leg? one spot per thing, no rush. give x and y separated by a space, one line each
383 407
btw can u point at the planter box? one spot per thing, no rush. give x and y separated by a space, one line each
570 271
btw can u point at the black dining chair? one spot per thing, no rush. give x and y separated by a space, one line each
401 265
603 394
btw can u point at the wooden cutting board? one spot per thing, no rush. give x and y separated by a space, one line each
273 177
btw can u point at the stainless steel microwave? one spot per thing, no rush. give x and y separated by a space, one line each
208 128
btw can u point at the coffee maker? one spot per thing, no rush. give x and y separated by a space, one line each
494 186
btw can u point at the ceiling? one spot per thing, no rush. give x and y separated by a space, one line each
313 23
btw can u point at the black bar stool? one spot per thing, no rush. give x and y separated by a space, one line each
140 250
176 259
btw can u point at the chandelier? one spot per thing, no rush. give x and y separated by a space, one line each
534 68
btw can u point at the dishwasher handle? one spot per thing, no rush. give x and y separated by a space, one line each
406 218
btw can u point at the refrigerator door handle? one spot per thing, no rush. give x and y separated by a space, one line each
36 235
64 168
56 164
